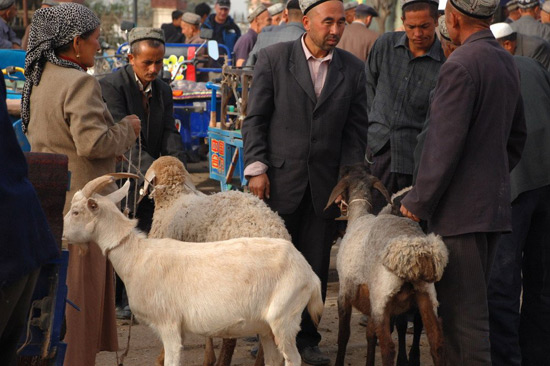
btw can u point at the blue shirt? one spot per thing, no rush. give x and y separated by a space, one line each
7 35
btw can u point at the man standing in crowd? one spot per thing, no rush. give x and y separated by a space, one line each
349 9
292 30
402 69
293 163
258 19
190 26
522 261
522 45
358 38
172 31
225 30
8 11
512 8
276 13
203 10
529 23
476 136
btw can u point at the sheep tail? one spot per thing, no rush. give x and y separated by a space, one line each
315 305
419 258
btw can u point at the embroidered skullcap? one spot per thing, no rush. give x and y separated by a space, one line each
501 30
480 9
546 7
276 9
409 2
52 28
191 18
443 31
351 5
363 9
254 13
526 4
4 4
141 33
512 5
307 5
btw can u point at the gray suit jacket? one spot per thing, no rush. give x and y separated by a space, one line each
304 140
535 48
289 32
358 39
529 26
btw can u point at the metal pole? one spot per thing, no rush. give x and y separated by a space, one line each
135 12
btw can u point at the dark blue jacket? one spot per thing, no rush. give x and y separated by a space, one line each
226 34
26 241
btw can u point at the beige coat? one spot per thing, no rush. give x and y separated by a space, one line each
68 116
358 39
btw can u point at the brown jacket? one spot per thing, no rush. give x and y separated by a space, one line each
358 39
68 116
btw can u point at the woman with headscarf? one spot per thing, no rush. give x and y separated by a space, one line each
63 112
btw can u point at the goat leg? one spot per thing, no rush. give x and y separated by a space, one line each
401 322
371 342
387 347
209 355
226 352
433 327
344 317
414 353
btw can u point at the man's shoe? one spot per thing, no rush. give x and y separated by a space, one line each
123 313
313 356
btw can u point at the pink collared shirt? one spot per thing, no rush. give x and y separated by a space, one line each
318 68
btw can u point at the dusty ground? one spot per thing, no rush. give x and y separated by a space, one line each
145 345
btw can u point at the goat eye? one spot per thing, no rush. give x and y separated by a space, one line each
75 213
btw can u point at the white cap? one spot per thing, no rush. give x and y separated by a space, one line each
501 30
442 4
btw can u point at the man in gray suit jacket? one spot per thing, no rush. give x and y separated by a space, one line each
282 33
307 117
528 23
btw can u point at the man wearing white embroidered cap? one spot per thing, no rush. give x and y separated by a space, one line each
258 18
522 45
463 188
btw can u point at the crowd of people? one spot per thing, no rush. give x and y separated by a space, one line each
454 105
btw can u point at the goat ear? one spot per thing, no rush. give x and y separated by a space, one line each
380 187
119 194
338 190
92 204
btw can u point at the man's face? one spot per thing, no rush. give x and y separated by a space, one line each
10 13
350 15
221 13
263 20
325 24
188 30
177 22
147 63
544 17
276 19
420 29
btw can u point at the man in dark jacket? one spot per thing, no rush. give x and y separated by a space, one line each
136 89
26 242
225 30
476 136
172 31
300 130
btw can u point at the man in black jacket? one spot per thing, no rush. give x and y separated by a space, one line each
172 31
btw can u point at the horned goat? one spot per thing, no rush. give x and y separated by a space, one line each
264 284
385 263
184 213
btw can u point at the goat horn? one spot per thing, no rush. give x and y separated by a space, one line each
341 186
99 183
380 187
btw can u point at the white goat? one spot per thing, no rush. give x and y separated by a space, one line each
177 288
385 263
184 213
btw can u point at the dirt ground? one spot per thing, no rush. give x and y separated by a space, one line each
145 345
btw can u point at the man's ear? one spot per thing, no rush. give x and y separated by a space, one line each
131 59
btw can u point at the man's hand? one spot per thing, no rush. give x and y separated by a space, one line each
259 186
135 123
409 214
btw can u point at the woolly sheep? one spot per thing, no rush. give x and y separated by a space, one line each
385 263
182 212
263 283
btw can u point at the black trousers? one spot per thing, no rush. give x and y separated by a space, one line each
462 295
312 236
522 338
15 300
